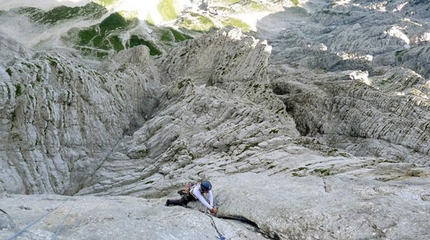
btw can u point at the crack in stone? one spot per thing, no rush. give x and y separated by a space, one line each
268 235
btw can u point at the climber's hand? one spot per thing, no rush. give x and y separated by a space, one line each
214 210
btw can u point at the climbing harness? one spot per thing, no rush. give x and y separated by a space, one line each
34 222
62 223
220 236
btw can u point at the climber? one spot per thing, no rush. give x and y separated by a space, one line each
193 193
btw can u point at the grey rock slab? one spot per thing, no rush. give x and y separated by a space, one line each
332 207
89 217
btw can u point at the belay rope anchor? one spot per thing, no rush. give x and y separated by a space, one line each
220 236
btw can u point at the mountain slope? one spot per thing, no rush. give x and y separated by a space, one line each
310 125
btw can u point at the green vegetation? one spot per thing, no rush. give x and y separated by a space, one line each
227 2
299 172
333 152
106 2
271 166
206 23
89 11
18 90
198 23
149 20
9 72
322 172
300 169
390 161
295 2
166 8
113 22
103 39
166 36
237 23
136 41
86 36
99 40
179 37
181 85
249 4
258 6
399 55
172 35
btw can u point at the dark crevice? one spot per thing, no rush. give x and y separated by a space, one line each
268 235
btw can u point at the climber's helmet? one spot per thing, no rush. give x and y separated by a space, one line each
206 186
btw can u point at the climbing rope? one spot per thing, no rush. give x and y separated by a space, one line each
62 223
34 222
220 236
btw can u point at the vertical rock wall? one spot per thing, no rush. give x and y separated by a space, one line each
60 118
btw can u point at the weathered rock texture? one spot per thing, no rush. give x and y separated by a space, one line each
317 131
366 93
61 118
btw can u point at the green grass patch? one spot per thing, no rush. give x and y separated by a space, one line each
86 36
136 41
197 22
106 2
258 6
179 37
236 23
113 22
206 23
166 36
104 39
172 35
167 10
61 13
150 20
113 42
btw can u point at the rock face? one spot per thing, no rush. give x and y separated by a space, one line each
367 96
202 120
314 127
59 118
6 222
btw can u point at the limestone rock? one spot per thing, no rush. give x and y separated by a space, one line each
313 127
122 217
60 118
6 223
382 114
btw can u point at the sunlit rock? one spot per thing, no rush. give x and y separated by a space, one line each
315 126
